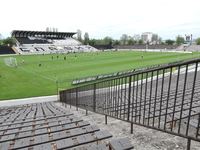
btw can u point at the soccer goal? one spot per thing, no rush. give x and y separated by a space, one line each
10 61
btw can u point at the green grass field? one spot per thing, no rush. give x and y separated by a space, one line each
29 79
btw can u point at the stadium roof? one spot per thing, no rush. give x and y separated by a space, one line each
20 33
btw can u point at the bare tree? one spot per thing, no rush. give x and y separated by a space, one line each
86 38
79 35
47 29
154 38
124 39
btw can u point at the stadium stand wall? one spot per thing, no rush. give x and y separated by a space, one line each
6 50
142 46
102 47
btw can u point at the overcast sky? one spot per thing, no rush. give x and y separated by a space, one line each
101 18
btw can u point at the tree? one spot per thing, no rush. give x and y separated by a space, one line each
92 42
169 42
1 42
1 37
86 38
124 39
79 35
140 41
116 42
8 41
107 41
198 41
179 40
131 41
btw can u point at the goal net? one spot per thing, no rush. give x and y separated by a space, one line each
10 61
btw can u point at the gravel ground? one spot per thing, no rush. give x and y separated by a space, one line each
142 138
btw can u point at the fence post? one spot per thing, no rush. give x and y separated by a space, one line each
60 95
188 143
70 97
131 128
106 119
76 98
65 98
94 98
129 98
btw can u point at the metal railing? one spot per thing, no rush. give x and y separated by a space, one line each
165 98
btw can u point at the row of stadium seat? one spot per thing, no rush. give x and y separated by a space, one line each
26 40
34 40
42 126
55 49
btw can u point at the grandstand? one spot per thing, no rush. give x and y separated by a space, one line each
40 42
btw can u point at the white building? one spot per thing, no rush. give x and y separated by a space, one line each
147 37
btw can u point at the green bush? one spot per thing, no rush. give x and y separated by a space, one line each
198 41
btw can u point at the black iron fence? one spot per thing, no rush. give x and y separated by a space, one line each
165 98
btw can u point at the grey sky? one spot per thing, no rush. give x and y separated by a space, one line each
101 18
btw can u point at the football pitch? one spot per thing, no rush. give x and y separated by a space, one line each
40 75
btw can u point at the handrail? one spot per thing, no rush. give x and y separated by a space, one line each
164 98
144 70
